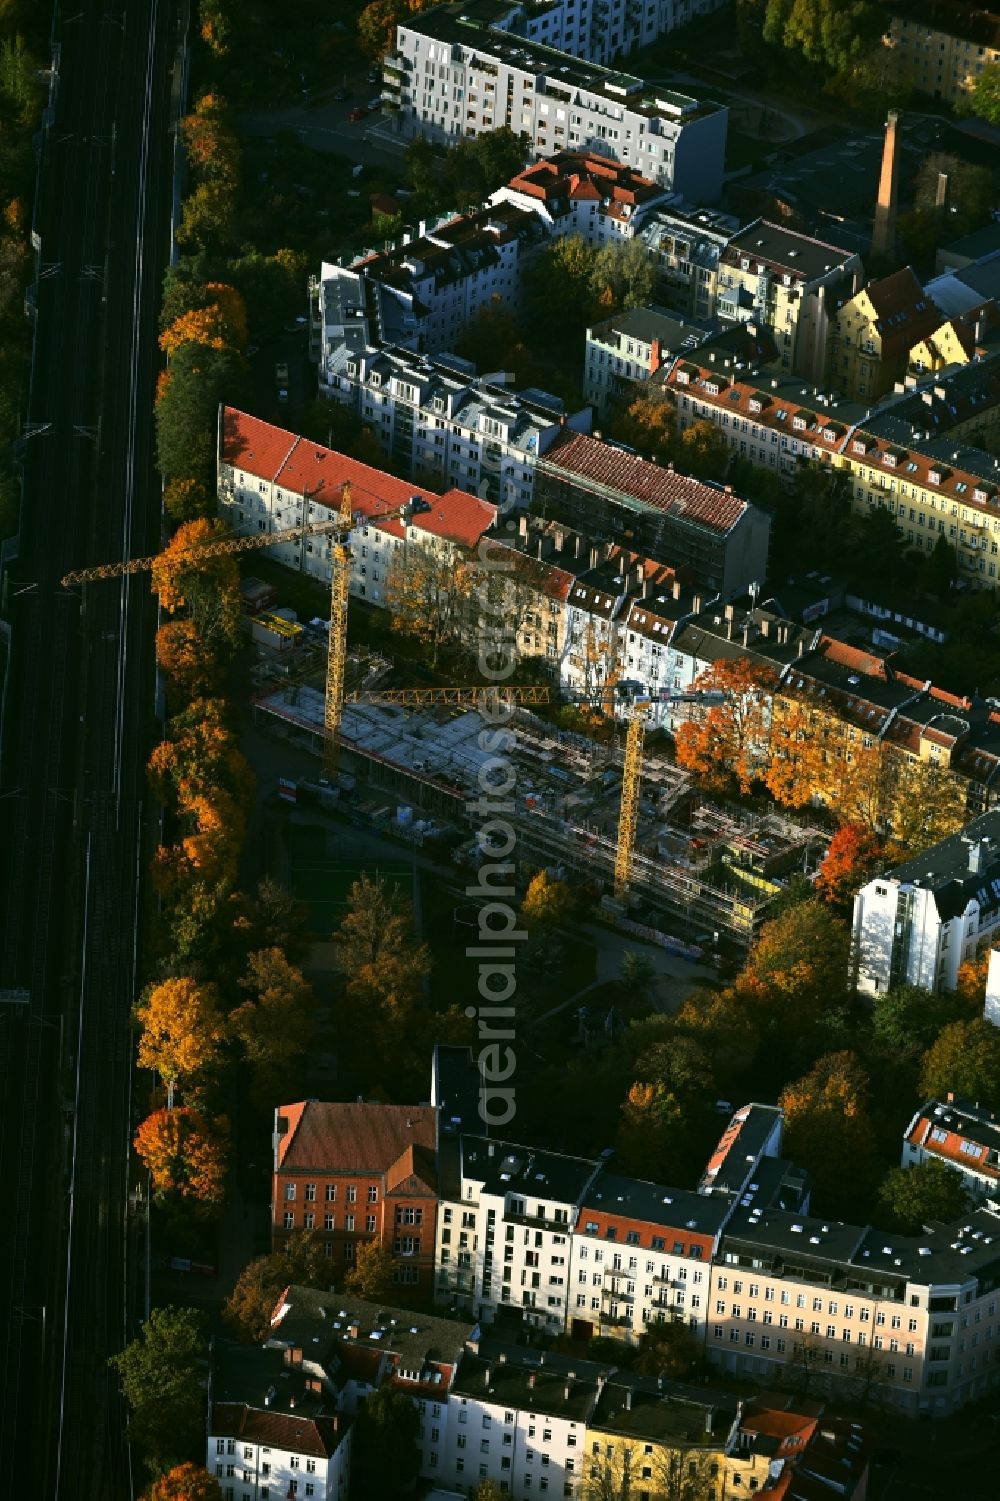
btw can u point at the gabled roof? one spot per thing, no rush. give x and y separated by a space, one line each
306 468
368 1137
904 312
316 1437
631 477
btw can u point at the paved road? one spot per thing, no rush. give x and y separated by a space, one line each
71 760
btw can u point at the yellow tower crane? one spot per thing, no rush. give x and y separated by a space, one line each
340 580
635 738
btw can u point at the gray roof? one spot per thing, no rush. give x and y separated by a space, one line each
648 323
977 244
635 1199
944 868
504 1167
786 250
960 291
322 1320
523 1383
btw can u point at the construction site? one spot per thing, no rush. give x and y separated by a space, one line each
705 873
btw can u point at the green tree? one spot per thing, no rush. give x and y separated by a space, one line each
638 974
187 409
966 1059
907 1019
20 86
558 289
370 1275
274 1025
160 1376
985 99
385 1442
910 1197
623 275
668 1349
834 34
942 567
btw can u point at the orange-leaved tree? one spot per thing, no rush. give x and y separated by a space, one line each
210 142
182 1029
827 1126
208 587
798 966
185 1154
189 667
187 500
727 741
855 854
185 1482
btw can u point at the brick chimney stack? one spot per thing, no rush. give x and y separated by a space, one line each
884 232
655 356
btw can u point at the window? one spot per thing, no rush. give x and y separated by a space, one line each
352 1194
372 1194
331 1193
289 1193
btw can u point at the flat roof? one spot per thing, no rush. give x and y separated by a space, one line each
944 868
505 1167
307 1315
785 250
616 1196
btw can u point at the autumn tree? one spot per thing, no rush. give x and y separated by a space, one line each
274 1024
182 1029
986 94
187 500
799 963
160 1376
965 1058
854 855
185 1482
668 1349
970 983
651 1132
207 587
646 422
189 666
301 1261
547 902
426 593
701 450
188 398
185 1155
623 276
911 1197
370 1275
827 1125
725 742
219 321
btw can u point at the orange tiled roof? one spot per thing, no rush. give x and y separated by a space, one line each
360 1138
315 1437
301 466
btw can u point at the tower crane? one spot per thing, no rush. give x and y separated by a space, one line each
340 580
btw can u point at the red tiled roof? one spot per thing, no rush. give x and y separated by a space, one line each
583 176
663 489
770 1423
976 1157
352 1138
315 1437
412 1173
759 405
853 657
301 466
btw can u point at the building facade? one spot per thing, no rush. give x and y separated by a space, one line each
941 48
436 420
356 1173
457 73
687 245
625 351
584 193
960 1135
871 335
924 918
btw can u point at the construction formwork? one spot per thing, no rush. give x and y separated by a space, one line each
718 870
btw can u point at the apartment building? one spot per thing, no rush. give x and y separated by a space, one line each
687 246
957 340
269 479
584 193
273 1428
791 283
871 335
599 30
911 1320
457 72
505 1223
962 1136
924 918
941 46
353 1348
359 1172
423 292
625 351
719 540
435 420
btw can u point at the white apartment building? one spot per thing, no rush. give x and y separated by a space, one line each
422 292
435 419
599 30
519 1419
963 1137
455 74
265 1450
503 1242
269 479
625 351
920 921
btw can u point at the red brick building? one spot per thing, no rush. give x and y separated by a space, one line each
356 1172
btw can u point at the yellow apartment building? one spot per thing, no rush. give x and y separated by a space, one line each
941 46
871 335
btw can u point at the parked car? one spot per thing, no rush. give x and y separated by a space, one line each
375 106
357 113
281 372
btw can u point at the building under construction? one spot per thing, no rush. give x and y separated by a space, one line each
709 871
